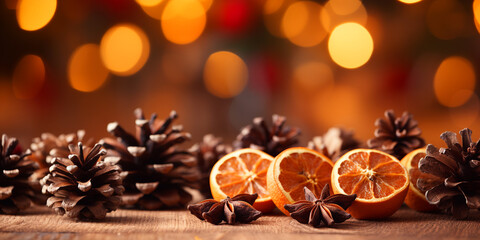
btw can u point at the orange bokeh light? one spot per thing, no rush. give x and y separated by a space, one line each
334 14
86 72
35 14
124 49
409 1
301 24
350 45
28 77
183 21
225 74
454 81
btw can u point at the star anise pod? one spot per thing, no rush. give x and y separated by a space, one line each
334 143
271 140
396 136
326 209
207 153
233 210
455 184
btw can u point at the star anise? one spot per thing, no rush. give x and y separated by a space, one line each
233 210
326 209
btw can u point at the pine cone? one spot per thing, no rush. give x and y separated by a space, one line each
155 171
207 153
270 140
15 191
334 143
83 185
47 147
455 185
396 136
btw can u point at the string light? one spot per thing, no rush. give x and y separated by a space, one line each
86 72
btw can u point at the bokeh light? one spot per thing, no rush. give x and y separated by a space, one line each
447 19
124 49
350 45
409 1
183 21
225 74
345 7
301 24
271 6
454 81
28 77
476 13
35 14
335 13
86 72
148 3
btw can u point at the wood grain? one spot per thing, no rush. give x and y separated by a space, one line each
40 223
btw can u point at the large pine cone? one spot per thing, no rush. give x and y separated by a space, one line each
83 185
208 152
396 136
15 191
455 183
271 140
155 172
47 147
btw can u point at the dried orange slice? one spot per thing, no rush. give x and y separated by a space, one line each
415 198
379 180
242 171
293 169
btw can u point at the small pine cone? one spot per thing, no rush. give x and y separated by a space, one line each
396 136
270 140
15 192
47 147
334 143
84 186
155 172
454 185
208 152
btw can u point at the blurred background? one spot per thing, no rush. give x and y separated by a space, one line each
80 64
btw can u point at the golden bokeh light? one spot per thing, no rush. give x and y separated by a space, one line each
35 14
345 7
183 21
271 6
301 24
28 77
454 81
124 49
409 1
334 14
476 13
225 74
86 72
273 13
148 3
350 45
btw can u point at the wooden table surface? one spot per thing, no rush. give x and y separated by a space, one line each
40 223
